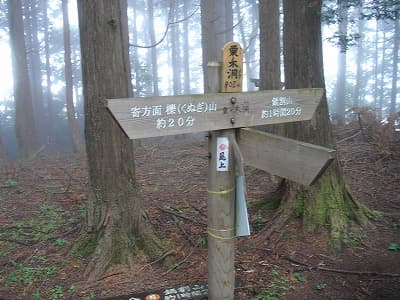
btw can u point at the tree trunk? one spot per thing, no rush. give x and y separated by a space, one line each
396 42
153 50
3 152
72 122
340 104
186 50
252 67
244 43
34 66
216 30
360 59
116 224
270 47
175 51
24 118
51 135
328 203
382 76
376 63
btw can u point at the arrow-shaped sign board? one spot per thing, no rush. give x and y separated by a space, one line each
297 161
170 115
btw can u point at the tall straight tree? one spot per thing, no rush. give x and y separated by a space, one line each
340 104
396 43
270 47
3 152
34 67
175 49
359 61
24 118
153 48
116 224
328 203
69 99
186 48
51 136
216 30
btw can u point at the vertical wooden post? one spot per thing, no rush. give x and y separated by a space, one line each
221 181
221 210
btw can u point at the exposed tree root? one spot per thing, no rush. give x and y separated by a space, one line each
113 244
327 205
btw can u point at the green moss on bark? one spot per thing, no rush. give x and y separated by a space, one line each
85 245
298 206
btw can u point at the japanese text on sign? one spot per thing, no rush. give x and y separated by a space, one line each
232 67
222 154
185 292
172 114
279 108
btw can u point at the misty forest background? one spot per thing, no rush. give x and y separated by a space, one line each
361 48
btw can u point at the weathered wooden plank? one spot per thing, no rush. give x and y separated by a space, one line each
297 161
170 115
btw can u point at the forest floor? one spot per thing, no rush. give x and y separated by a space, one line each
42 206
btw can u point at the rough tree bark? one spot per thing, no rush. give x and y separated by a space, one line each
328 203
24 118
216 30
116 223
3 153
270 47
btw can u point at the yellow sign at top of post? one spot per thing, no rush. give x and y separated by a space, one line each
232 68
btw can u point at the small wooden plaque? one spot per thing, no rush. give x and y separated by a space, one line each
232 68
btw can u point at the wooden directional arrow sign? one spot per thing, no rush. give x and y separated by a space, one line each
170 115
297 161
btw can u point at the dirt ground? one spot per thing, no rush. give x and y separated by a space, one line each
42 205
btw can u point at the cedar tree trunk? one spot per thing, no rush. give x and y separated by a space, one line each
116 223
69 99
24 119
328 203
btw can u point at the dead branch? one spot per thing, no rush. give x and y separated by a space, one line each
350 272
183 231
183 217
178 264
166 30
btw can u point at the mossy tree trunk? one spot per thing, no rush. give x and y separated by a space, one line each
328 203
116 223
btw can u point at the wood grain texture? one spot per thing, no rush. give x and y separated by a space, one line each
298 161
221 223
232 68
156 116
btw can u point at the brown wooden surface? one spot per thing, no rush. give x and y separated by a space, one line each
245 112
221 211
232 68
298 161
221 223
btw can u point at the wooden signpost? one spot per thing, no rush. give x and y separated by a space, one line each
170 115
221 112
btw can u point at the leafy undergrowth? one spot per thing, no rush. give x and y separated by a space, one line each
42 205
